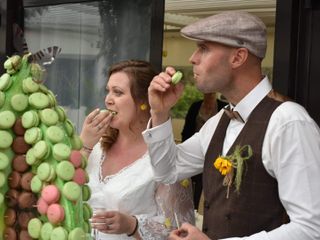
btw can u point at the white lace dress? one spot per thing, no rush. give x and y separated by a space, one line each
132 190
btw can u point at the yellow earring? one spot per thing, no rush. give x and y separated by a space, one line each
143 106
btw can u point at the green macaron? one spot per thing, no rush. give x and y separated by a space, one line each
5 82
6 139
19 102
1 198
69 127
41 149
59 233
2 98
61 151
49 117
77 234
65 170
61 113
2 179
72 191
36 184
176 77
34 228
55 134
33 135
30 119
52 98
87 211
86 193
46 231
4 161
76 142
43 171
29 86
31 159
39 100
7 119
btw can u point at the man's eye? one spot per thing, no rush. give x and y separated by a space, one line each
202 48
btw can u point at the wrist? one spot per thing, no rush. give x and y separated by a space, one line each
157 118
135 228
87 149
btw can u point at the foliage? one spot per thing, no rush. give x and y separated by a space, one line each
190 95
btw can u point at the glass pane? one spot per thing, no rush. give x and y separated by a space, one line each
92 36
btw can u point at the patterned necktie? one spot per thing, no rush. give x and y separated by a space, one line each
233 114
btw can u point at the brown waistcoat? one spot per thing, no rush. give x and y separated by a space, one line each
257 207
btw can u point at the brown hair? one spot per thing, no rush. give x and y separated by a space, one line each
140 74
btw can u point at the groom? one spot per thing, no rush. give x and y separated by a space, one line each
261 169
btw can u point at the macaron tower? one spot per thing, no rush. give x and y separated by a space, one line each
43 189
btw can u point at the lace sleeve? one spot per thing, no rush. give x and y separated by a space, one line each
175 206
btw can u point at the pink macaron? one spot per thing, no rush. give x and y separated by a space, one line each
55 213
80 176
42 206
76 158
50 194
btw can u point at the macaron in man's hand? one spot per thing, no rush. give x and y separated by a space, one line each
176 77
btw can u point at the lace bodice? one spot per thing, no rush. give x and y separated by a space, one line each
133 191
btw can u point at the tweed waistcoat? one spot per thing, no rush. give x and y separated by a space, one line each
257 207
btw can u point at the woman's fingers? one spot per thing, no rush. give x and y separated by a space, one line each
92 115
100 119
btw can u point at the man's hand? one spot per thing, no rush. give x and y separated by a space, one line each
187 232
163 95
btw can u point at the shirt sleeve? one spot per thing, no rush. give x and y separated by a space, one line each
173 162
174 206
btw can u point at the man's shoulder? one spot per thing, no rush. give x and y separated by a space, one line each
290 111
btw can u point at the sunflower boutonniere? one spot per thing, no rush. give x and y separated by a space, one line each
232 166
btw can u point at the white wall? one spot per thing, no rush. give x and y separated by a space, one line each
179 49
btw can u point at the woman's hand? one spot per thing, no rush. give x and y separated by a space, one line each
114 222
187 232
95 124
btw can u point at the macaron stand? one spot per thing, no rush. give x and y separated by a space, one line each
43 189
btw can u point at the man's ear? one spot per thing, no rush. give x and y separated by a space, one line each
239 57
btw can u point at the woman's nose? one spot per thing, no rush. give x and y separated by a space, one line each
108 100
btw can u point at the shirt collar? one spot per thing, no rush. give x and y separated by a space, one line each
251 100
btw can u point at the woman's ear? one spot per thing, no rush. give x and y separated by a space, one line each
239 57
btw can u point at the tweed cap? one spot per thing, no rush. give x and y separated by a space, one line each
231 28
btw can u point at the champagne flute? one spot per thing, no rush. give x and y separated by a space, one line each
97 209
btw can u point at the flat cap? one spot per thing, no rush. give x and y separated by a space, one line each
231 28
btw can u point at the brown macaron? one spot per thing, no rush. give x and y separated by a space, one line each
20 164
26 181
27 200
9 234
24 235
18 129
19 145
10 217
14 180
24 218
12 197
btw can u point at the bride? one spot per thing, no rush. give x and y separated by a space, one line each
129 203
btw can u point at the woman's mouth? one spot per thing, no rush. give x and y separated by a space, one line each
112 112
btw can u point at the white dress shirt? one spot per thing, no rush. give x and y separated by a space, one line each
290 153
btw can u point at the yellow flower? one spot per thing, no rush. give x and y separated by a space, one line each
167 223
185 183
223 165
232 166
